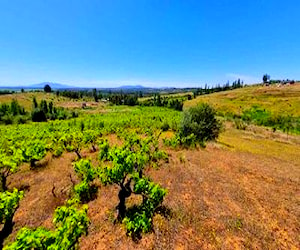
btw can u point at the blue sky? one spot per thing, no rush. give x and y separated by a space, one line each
110 43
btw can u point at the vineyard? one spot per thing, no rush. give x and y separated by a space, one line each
141 177
121 166
160 125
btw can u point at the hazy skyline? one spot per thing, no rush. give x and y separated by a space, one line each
151 43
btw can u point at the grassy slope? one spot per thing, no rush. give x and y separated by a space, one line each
262 141
278 100
25 100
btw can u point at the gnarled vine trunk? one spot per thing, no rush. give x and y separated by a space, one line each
124 193
78 154
3 181
6 230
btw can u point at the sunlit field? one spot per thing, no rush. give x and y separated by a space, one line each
239 191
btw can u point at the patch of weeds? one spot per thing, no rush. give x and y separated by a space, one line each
164 211
240 124
111 215
263 117
236 223
182 158
214 238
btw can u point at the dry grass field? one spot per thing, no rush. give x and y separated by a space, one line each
25 100
277 99
242 192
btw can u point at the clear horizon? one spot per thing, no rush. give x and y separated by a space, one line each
150 43
125 83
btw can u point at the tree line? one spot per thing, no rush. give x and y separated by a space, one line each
43 111
218 88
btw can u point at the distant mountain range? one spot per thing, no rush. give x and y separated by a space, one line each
39 86
128 89
54 85
124 88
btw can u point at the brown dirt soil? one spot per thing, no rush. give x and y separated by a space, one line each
218 198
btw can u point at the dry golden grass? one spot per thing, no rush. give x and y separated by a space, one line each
264 142
25 100
240 193
279 100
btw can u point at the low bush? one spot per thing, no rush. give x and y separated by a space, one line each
165 126
201 122
38 115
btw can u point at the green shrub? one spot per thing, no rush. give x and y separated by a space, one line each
7 119
9 202
201 122
85 170
185 141
28 239
70 224
58 151
38 115
85 191
165 126
262 117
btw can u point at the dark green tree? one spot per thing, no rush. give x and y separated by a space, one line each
38 115
266 78
47 88
35 103
95 95
44 106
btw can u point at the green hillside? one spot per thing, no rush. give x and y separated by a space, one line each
271 106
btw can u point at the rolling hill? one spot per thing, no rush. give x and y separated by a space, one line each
284 99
